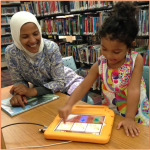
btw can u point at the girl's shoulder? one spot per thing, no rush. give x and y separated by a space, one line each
101 60
133 53
101 57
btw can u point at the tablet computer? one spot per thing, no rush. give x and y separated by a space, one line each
86 123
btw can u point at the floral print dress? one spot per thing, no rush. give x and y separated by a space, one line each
114 88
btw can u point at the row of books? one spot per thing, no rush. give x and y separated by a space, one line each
5 40
86 52
75 25
9 10
44 8
5 30
83 24
28 6
143 20
82 53
84 5
5 19
141 42
146 58
3 49
144 53
84 72
89 54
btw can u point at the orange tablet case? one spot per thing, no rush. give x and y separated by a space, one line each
95 125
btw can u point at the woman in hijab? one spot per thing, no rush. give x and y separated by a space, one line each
36 60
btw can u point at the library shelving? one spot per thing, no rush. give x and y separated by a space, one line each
81 19
7 10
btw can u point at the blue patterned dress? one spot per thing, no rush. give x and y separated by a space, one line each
47 70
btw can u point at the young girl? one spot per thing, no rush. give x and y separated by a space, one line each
120 69
36 60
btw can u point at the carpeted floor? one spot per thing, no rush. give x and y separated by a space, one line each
5 78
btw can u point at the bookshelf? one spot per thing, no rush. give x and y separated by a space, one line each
7 10
72 19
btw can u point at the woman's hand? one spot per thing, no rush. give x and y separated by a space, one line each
23 90
129 126
18 100
64 112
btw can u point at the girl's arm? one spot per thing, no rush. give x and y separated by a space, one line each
133 96
80 91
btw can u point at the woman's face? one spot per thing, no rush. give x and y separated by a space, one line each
30 37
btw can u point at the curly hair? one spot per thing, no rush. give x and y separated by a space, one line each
121 25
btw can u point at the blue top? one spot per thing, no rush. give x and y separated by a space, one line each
47 70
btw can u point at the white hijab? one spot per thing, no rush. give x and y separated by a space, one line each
16 22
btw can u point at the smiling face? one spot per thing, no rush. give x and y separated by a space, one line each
114 51
30 37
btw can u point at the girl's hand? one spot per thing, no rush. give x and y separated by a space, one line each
129 126
64 112
21 89
18 100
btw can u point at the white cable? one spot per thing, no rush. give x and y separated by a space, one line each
41 146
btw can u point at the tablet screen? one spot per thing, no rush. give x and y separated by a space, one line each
90 124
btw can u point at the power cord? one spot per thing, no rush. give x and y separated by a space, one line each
42 145
23 123
41 130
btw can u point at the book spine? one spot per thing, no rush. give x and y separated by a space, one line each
38 8
26 6
44 8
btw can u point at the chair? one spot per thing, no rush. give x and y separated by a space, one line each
146 78
69 62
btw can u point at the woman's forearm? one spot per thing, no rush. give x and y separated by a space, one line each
38 91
